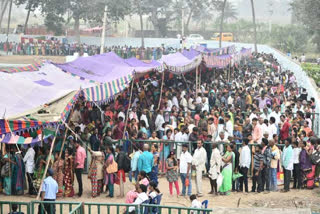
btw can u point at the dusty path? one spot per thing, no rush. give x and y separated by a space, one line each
292 200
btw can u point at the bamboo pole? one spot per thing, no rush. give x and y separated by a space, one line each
200 80
64 141
47 165
161 90
130 99
196 81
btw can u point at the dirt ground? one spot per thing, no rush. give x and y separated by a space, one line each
292 200
29 59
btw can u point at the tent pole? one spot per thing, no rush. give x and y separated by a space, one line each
64 141
47 165
130 99
196 81
199 80
161 90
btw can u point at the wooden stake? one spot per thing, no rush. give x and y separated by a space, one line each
161 90
47 166
126 123
196 81
199 80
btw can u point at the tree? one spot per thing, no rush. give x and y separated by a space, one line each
161 14
84 10
3 6
221 22
30 6
307 13
254 26
230 12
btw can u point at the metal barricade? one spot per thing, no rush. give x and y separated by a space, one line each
60 207
12 206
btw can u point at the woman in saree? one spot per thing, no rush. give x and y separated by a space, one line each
96 172
68 174
58 173
39 168
8 171
305 163
227 169
18 174
109 178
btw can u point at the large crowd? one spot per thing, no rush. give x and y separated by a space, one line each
51 48
259 124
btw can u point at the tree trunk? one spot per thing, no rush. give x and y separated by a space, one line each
188 22
254 26
141 24
221 22
4 6
155 22
76 28
27 19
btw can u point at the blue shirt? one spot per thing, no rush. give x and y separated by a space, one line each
134 161
50 187
145 162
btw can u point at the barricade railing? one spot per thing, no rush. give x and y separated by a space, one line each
42 207
165 147
173 210
7 207
108 208
61 207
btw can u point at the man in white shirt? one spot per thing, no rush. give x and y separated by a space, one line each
221 138
272 128
244 163
29 163
229 125
185 169
276 114
199 164
296 166
180 137
195 203
142 197
145 118
158 124
184 103
175 101
191 105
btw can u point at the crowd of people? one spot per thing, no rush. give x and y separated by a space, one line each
51 48
258 124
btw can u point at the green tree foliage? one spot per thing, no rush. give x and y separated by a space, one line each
307 12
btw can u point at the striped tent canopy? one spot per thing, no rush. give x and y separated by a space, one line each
107 91
217 61
17 139
32 67
19 125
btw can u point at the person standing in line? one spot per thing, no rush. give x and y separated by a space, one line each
29 163
287 164
155 170
172 175
49 193
121 159
257 170
245 162
267 156
199 164
215 164
145 162
296 166
275 156
79 165
134 164
185 170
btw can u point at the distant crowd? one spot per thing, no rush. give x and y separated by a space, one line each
259 124
60 49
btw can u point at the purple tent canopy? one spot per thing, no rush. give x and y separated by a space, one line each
105 67
191 54
134 62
